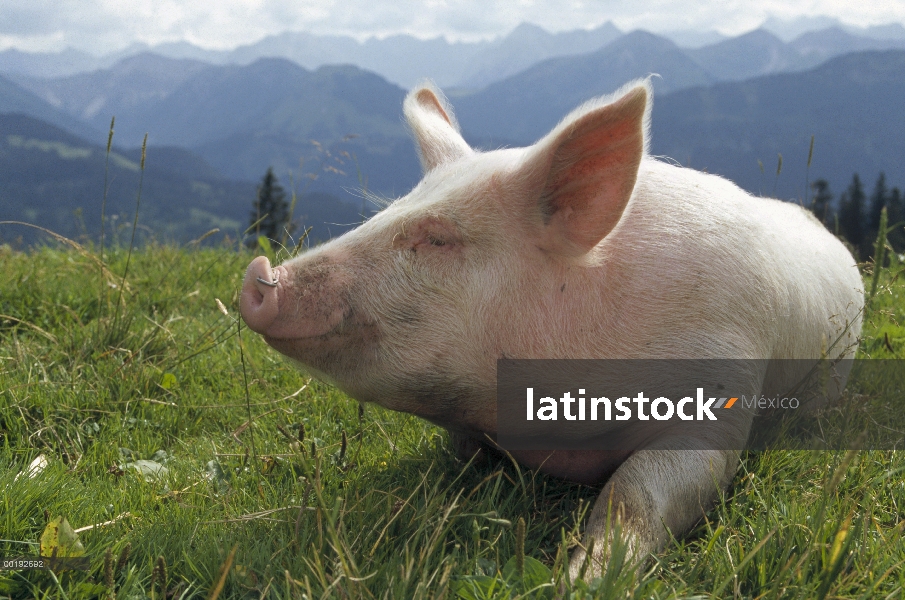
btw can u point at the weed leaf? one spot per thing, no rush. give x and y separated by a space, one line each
59 539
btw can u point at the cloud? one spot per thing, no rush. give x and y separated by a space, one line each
106 25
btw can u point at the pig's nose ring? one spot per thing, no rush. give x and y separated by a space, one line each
267 283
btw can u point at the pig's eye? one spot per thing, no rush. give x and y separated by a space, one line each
438 233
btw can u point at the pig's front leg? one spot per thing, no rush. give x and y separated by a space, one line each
653 493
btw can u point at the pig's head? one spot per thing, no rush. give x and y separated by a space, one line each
413 308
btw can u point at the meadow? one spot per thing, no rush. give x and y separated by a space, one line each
192 461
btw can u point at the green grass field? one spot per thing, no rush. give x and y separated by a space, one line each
198 463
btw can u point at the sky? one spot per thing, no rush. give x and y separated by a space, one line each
102 26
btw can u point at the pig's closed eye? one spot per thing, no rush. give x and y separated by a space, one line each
429 234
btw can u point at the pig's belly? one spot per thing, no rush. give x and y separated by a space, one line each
581 466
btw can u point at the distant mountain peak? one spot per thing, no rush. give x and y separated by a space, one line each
835 32
789 29
152 61
606 26
692 38
642 37
760 34
528 29
890 31
180 46
275 62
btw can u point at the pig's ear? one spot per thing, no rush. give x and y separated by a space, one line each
586 169
435 128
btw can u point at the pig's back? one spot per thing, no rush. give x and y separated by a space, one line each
751 277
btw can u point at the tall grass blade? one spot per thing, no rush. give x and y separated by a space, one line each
251 429
778 171
760 188
292 203
141 179
807 175
103 290
520 548
880 245
224 571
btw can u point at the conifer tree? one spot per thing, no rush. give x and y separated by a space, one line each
896 215
852 223
820 204
270 216
877 201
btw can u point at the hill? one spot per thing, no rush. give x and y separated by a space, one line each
525 46
525 106
54 179
851 105
325 126
331 124
16 99
129 86
755 53
46 64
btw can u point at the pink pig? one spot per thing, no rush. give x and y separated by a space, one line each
580 246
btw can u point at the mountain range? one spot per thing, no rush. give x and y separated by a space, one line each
521 108
54 179
852 105
325 125
243 118
402 59
405 60
337 131
16 99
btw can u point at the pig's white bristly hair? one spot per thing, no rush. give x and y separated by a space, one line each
430 117
444 101
601 101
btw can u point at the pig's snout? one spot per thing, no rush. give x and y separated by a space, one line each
301 302
259 302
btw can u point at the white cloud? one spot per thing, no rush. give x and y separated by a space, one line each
107 25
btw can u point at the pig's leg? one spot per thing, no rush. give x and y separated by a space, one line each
466 447
651 494
666 486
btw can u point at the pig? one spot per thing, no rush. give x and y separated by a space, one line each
579 246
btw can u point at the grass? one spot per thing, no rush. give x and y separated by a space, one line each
271 485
